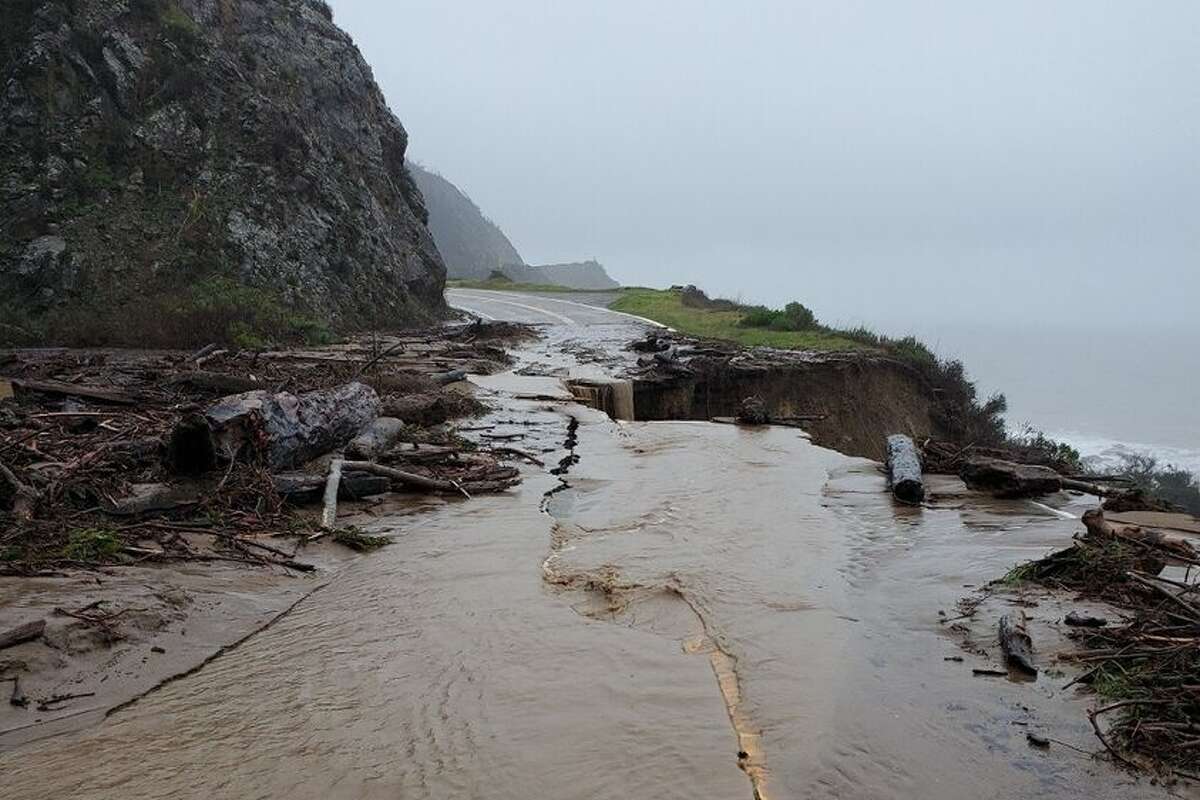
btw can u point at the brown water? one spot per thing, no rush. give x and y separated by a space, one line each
698 611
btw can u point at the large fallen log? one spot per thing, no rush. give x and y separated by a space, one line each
1008 479
904 469
283 429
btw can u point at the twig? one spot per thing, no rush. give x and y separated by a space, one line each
1112 750
1192 610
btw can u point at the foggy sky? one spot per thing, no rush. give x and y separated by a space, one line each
1020 162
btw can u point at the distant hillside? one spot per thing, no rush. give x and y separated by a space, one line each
471 245
474 247
576 274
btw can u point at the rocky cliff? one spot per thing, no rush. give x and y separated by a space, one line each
147 146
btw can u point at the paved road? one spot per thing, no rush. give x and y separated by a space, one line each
573 310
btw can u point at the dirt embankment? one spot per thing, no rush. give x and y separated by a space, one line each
848 402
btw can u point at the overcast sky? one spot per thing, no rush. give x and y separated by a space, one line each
986 163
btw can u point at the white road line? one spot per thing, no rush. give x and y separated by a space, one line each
551 314
1054 511
574 303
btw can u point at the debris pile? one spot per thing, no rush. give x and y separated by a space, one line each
127 456
1146 671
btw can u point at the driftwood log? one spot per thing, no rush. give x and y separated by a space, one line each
1172 544
1016 642
302 488
22 633
147 497
332 484
215 382
904 469
504 478
283 429
99 393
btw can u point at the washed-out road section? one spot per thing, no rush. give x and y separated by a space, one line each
684 610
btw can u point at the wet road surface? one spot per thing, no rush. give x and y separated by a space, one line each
691 611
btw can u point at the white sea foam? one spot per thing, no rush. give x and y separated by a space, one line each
1101 452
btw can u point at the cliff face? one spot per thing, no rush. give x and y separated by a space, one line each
472 245
148 145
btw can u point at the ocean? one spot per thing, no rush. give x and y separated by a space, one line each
1106 393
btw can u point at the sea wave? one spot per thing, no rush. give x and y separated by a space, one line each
1104 453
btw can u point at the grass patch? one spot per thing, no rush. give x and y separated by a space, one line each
216 309
1021 573
91 544
727 322
359 541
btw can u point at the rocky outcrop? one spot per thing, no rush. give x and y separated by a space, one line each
472 245
151 144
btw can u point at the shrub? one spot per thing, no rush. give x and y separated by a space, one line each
1035 447
1171 483
793 317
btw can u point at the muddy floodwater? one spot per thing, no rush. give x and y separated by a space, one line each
690 611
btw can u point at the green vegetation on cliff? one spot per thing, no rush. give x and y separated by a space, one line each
722 320
960 414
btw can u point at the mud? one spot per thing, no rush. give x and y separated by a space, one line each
158 623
